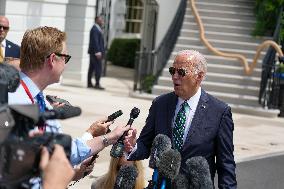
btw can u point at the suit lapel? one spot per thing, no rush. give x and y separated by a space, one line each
171 107
199 115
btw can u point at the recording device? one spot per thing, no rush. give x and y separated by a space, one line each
112 117
160 144
198 173
20 154
53 99
168 168
9 81
180 182
118 147
126 177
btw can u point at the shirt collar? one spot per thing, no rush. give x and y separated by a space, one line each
34 90
3 44
193 101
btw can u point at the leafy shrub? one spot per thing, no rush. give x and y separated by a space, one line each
122 52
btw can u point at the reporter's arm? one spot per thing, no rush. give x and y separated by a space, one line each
96 144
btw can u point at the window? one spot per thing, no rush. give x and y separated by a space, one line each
134 16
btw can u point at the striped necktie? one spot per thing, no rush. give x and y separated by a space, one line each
179 126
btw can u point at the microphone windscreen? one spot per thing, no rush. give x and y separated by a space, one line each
9 75
160 144
180 182
199 173
126 177
169 164
65 111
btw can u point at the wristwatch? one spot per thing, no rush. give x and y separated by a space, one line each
105 140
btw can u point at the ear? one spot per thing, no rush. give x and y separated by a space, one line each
50 61
199 77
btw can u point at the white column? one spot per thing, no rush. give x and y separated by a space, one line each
80 17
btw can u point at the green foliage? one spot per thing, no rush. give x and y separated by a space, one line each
122 52
148 83
266 12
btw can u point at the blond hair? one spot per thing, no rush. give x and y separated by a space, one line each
108 180
37 44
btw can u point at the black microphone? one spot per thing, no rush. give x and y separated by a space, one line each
198 173
180 182
160 144
118 147
62 112
126 177
168 168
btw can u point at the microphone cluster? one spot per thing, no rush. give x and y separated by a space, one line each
166 164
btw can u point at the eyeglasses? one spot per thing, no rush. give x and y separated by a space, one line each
66 56
6 28
181 71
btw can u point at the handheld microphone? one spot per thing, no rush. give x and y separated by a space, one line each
113 117
160 144
199 173
180 182
126 177
118 147
168 167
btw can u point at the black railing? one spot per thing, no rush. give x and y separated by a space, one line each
151 64
270 81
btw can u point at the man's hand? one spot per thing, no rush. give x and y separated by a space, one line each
117 133
99 55
86 166
57 171
99 128
130 140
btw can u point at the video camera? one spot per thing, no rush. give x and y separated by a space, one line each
19 153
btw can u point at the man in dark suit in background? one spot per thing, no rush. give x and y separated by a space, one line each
8 49
96 51
197 123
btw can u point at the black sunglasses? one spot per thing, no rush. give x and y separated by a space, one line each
4 27
66 56
181 71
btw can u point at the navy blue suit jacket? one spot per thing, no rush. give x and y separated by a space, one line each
210 134
96 43
12 50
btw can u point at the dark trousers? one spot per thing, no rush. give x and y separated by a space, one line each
94 66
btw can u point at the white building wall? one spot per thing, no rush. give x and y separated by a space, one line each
166 13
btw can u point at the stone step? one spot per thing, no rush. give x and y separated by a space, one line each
222 21
210 35
218 28
229 6
243 3
247 53
218 43
222 14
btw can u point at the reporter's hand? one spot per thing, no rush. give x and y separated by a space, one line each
130 140
117 133
86 167
57 171
99 128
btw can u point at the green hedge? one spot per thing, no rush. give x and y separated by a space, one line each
266 12
122 52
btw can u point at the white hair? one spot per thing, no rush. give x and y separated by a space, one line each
196 58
